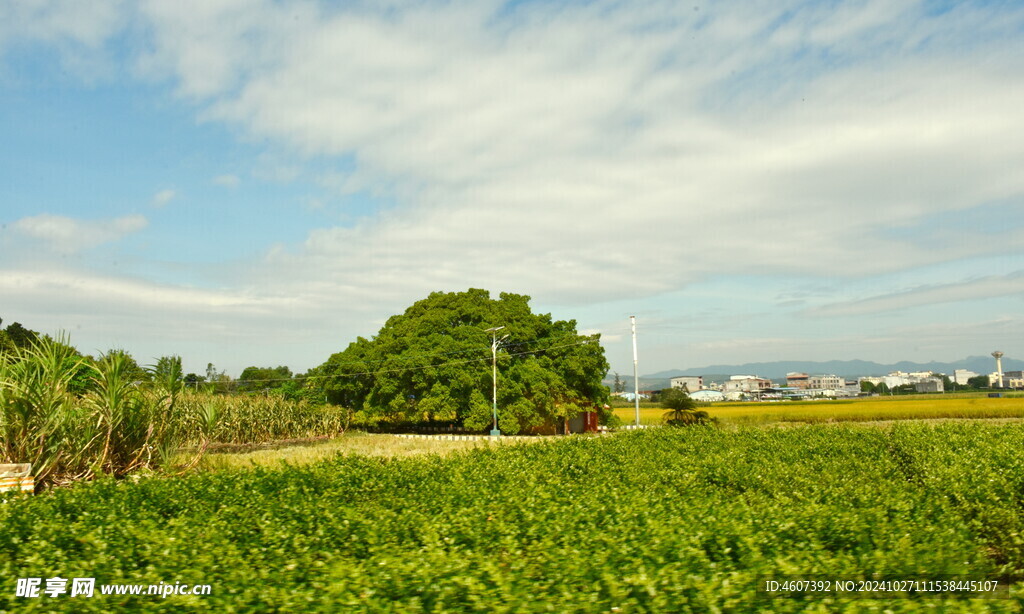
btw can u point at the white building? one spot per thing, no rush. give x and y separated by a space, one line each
692 383
798 380
851 389
707 396
746 384
960 376
896 378
826 382
932 384
631 396
899 378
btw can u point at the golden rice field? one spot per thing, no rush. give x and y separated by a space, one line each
300 452
920 407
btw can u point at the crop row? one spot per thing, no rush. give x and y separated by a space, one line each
858 410
666 520
112 424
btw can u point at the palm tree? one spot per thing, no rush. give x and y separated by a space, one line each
682 410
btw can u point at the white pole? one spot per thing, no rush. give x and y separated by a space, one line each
636 381
494 378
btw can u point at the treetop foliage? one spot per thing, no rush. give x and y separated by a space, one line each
979 381
16 337
263 378
433 363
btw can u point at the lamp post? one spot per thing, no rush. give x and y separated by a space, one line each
494 375
636 378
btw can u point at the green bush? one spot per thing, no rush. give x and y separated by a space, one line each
659 521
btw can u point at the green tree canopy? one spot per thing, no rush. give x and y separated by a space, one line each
676 399
21 337
904 389
620 386
434 363
263 378
979 381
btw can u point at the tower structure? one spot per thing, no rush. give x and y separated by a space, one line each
999 367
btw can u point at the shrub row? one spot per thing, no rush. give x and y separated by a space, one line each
656 521
71 426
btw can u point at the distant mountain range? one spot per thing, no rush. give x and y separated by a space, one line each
850 369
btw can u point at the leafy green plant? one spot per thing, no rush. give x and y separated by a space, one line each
682 410
114 423
122 415
37 409
434 362
667 520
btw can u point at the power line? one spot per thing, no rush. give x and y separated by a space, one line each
510 343
507 344
402 369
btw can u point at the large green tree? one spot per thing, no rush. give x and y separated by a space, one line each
20 336
433 363
263 378
979 381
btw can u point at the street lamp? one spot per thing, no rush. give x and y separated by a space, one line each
494 375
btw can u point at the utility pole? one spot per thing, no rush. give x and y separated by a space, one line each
494 376
636 380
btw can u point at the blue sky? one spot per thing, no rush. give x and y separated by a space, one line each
257 183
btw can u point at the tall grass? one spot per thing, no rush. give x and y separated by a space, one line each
252 419
118 425
38 413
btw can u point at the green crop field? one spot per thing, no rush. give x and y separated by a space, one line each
658 521
919 407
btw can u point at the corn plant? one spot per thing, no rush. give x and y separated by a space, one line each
38 414
69 427
252 419
123 416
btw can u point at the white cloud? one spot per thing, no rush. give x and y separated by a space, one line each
226 40
227 181
555 149
68 235
155 319
61 21
107 292
163 197
575 151
78 30
972 290
605 337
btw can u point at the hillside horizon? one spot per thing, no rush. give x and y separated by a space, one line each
983 365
